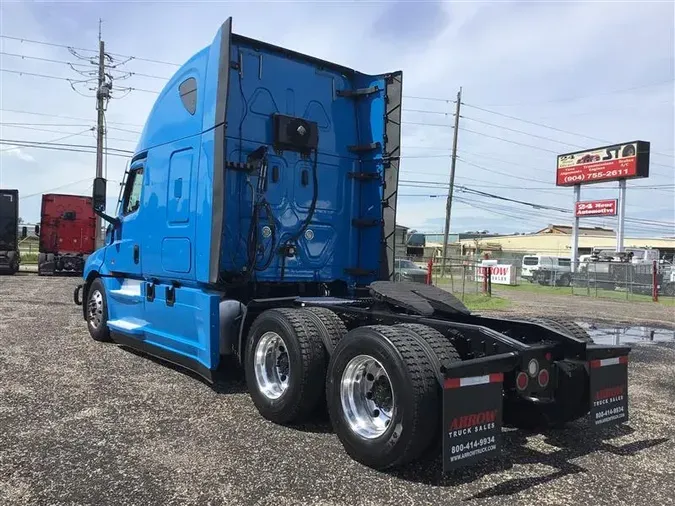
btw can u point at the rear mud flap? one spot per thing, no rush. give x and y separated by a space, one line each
608 391
472 419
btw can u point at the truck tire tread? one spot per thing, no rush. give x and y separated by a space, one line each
443 348
330 324
414 365
307 391
102 333
564 325
447 354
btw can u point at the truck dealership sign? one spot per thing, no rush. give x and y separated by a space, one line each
596 208
609 163
500 274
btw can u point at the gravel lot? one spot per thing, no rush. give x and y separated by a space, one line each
89 423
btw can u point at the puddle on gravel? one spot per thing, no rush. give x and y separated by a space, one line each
628 334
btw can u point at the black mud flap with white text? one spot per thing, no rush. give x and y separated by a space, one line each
472 419
608 391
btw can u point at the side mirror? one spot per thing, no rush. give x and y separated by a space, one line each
37 229
99 194
24 232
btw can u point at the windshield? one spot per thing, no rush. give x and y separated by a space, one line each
407 264
530 260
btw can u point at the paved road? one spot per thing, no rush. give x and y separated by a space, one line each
89 423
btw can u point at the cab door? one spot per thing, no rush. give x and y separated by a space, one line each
123 255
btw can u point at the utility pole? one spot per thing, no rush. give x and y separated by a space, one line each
448 205
102 94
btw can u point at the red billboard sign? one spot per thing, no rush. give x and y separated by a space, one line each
609 163
596 208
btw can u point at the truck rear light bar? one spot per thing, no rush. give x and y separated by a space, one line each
533 368
522 380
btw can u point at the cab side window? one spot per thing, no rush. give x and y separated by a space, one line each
132 193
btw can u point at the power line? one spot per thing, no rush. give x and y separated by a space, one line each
434 99
64 46
423 111
64 147
44 129
16 111
549 126
508 140
73 64
45 76
90 129
522 132
512 176
75 81
72 183
54 143
46 143
18 124
538 147
428 124
567 99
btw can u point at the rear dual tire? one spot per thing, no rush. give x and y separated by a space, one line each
380 384
285 365
383 394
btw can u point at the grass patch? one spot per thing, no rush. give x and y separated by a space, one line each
480 302
526 286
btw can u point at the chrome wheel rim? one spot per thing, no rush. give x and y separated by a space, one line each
95 309
367 397
271 365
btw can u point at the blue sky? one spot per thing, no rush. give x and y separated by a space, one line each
604 70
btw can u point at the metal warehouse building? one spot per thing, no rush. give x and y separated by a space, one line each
556 240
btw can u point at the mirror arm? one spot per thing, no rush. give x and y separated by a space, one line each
110 219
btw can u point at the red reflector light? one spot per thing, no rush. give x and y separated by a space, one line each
521 380
548 357
543 378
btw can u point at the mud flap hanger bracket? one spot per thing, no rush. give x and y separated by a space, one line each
504 362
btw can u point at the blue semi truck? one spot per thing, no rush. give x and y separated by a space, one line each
256 223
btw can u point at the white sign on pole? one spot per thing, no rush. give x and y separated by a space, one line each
500 274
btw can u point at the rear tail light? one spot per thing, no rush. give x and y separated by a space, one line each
543 378
533 367
522 380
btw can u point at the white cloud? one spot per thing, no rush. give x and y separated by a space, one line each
16 152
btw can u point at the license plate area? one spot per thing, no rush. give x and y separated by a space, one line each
472 419
608 391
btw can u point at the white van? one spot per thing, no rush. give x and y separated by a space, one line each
533 263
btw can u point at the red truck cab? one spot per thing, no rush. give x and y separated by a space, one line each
67 233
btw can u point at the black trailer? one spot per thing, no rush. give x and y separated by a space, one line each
9 232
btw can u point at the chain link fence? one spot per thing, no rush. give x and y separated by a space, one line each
612 280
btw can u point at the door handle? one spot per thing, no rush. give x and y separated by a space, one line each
136 253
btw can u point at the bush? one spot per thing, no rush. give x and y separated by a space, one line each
29 258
